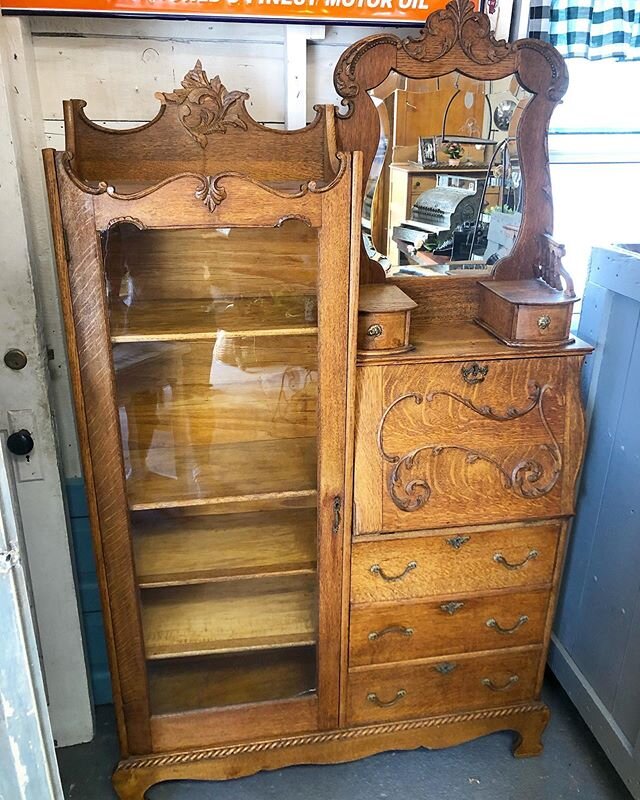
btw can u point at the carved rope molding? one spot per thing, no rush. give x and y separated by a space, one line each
195 756
412 493
205 106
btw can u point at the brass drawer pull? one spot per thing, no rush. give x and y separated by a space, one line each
445 668
473 373
544 321
492 623
491 685
374 330
458 541
500 559
376 569
375 635
372 697
452 607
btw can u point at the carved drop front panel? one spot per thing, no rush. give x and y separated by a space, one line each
464 443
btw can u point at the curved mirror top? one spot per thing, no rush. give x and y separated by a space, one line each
445 191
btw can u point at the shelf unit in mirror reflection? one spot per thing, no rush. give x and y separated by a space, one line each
223 391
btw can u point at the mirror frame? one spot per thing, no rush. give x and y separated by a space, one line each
458 38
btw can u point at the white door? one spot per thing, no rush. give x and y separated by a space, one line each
24 405
29 770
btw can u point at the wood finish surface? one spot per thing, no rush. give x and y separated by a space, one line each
408 691
190 684
402 631
201 127
229 617
527 720
459 39
430 566
197 548
461 443
245 601
238 609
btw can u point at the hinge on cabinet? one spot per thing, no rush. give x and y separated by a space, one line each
9 558
65 239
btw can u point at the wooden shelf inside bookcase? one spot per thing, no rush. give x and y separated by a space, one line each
188 548
227 473
229 617
192 320
189 684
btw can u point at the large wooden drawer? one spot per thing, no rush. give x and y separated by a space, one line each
447 563
402 631
467 443
408 691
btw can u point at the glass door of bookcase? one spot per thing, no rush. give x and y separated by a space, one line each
214 336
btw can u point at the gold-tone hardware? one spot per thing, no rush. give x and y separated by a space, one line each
374 330
500 559
492 623
376 569
452 607
445 668
372 697
544 321
337 505
474 373
491 685
457 541
375 635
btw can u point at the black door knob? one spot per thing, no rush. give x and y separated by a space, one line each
20 443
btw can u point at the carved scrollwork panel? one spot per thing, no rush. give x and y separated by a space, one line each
410 480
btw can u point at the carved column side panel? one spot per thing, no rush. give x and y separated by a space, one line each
83 294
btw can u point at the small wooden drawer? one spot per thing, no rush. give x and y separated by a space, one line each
525 313
403 631
413 690
384 315
447 562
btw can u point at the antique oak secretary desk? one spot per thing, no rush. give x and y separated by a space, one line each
312 548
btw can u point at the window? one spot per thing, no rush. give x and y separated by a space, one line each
594 148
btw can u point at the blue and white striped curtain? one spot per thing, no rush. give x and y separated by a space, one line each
593 29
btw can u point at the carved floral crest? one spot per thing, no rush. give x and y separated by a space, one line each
457 22
205 106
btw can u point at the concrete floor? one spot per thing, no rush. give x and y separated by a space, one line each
572 766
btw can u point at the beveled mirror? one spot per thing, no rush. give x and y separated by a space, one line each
453 127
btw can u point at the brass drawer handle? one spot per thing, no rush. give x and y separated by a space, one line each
500 559
474 373
376 569
445 668
452 607
458 541
375 635
544 322
493 623
372 697
374 330
494 688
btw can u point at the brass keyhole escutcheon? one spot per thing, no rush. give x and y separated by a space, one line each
544 321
